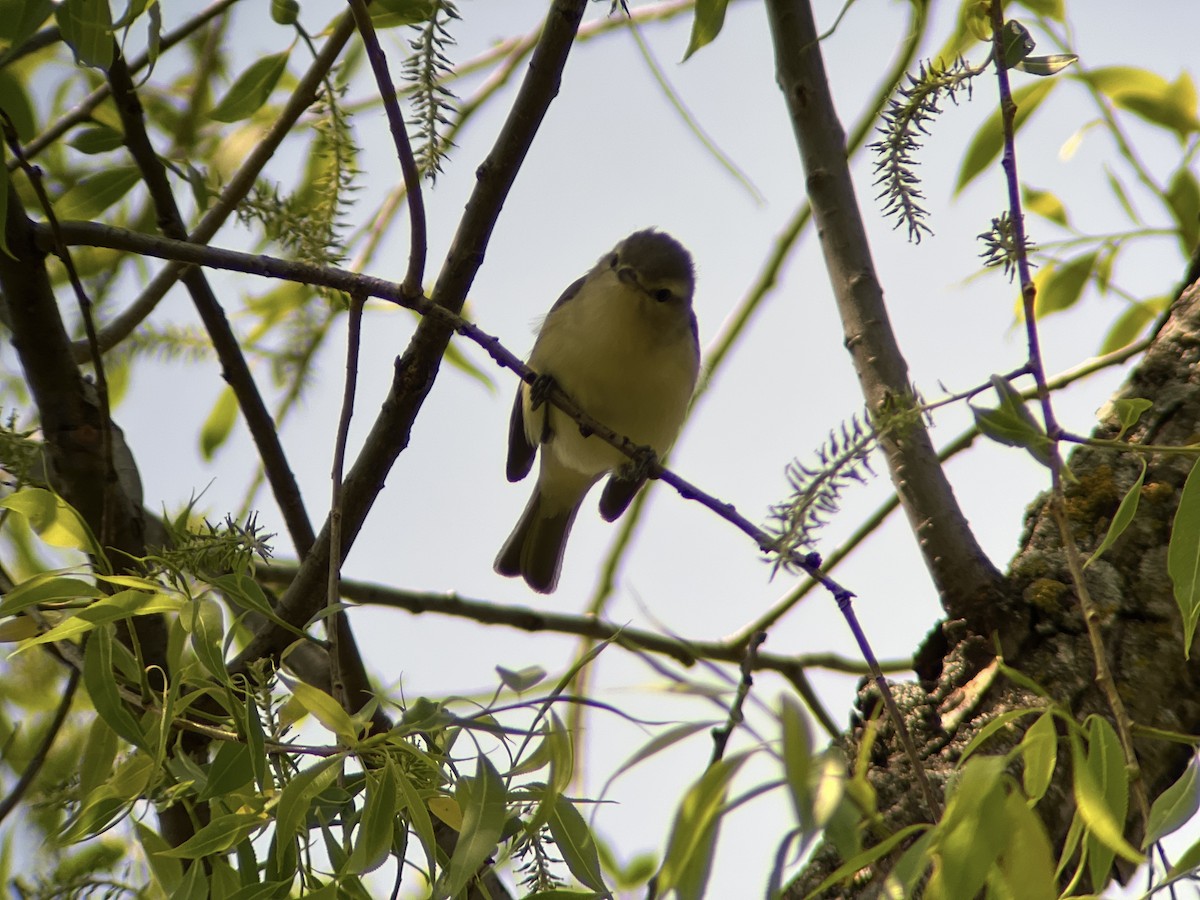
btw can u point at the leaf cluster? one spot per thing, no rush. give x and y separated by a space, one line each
427 68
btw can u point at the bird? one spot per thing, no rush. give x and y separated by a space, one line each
621 341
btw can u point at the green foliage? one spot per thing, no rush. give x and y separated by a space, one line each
1183 557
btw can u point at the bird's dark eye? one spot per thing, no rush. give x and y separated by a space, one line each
613 259
662 295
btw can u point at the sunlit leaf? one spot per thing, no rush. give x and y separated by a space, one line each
1045 204
219 424
1039 750
55 521
484 814
706 24
689 847
576 843
218 835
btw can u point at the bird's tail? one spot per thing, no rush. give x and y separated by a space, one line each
535 548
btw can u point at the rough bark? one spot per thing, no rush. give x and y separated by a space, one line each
1043 633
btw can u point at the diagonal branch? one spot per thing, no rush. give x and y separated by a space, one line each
964 577
418 367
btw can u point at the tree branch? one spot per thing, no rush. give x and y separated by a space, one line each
966 581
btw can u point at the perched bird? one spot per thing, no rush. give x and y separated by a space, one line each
621 341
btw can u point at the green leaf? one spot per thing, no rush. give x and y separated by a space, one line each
521 680
1060 285
485 811
1128 410
298 795
99 753
123 605
576 843
1012 424
1025 869
688 858
1175 806
860 861
1125 513
1183 196
94 194
219 424
231 770
419 821
47 587
251 89
373 841
1051 9
285 12
798 761
1016 43
326 710
19 19
97 139
706 24
219 835
205 624
87 27
1045 204
989 139
1046 65
55 521
393 13
14 100
1150 96
4 186
972 831
1183 557
102 686
1089 776
1039 750
1131 324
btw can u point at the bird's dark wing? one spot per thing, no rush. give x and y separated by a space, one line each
520 451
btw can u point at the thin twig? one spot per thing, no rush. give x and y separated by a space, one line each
333 597
722 734
34 766
1091 616
418 243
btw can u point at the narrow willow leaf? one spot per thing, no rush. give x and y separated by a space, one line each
325 710
1128 410
373 841
251 89
1093 806
1045 204
861 860
419 821
576 843
1175 806
1124 515
105 611
101 685
689 846
1039 750
798 761
1183 557
219 835
1060 286
706 24
298 795
484 814
47 587
55 521
219 425
1046 65
92 195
